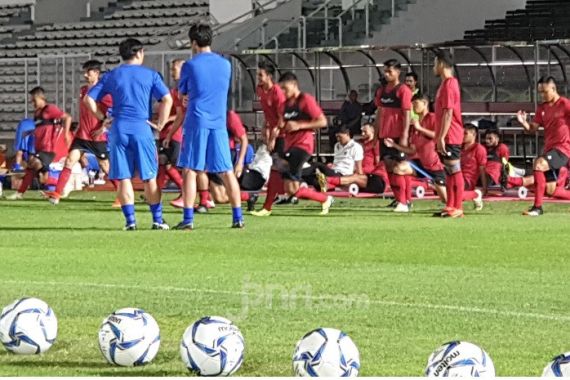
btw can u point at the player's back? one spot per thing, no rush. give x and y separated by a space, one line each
206 80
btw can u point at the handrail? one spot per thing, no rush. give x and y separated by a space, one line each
248 13
351 8
262 26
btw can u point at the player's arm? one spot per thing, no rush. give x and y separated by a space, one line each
528 126
411 149
378 124
243 143
164 108
66 120
424 131
176 124
445 125
358 167
92 106
404 138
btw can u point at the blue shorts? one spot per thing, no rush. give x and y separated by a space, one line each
131 153
206 150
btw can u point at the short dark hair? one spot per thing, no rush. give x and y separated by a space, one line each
470 127
92 64
37 91
393 63
343 129
353 92
444 57
547 79
288 77
268 67
492 131
129 48
202 34
413 75
420 96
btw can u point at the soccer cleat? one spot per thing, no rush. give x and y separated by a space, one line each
184 226
322 180
454 214
478 202
15 197
285 200
443 213
201 209
130 227
238 224
177 203
392 204
252 201
262 212
401 208
116 203
534 211
160 226
326 205
53 200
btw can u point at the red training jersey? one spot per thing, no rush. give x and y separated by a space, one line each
472 158
236 130
46 120
302 108
371 151
272 104
495 157
425 146
395 101
449 97
555 119
88 123
176 103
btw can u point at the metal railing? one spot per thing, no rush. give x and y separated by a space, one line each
352 9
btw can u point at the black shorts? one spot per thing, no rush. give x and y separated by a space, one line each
280 147
438 177
297 158
215 178
251 180
453 153
171 153
391 153
46 158
375 185
97 148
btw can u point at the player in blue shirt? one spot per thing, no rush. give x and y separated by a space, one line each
205 80
131 142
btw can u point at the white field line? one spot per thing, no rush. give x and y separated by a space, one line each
429 306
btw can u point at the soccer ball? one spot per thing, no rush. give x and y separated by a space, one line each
326 352
460 359
558 367
129 337
28 326
212 346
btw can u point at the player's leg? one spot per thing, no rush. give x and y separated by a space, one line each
438 178
219 193
122 169
34 166
72 158
470 193
453 179
402 174
540 166
375 184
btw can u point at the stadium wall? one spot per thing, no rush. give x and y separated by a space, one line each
436 21
54 11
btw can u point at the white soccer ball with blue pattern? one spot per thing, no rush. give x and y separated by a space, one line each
326 352
558 367
28 326
129 337
212 346
460 359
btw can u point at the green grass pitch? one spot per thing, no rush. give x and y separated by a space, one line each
399 285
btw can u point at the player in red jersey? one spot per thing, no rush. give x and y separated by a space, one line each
473 166
449 133
393 118
169 143
90 136
497 154
554 116
272 101
49 120
301 116
422 146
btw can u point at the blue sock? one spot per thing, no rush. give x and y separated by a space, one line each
188 215
156 211
129 213
236 213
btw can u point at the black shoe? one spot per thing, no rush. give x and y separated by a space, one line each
534 211
410 205
201 209
184 226
282 201
160 226
238 224
130 227
252 201
392 204
294 200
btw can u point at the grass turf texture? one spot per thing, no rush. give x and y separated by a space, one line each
399 285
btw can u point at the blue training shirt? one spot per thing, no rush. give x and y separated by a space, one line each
132 88
206 80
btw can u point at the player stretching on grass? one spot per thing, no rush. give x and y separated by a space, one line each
205 79
554 116
131 142
90 137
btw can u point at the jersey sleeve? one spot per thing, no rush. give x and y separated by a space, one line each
358 152
106 103
101 89
280 100
235 127
504 152
159 89
183 82
310 107
405 94
538 115
481 156
53 112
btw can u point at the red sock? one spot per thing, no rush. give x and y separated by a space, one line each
204 197
449 185
458 188
540 187
469 195
62 180
333 181
161 177
274 187
306 193
514 181
561 193
394 185
244 196
27 181
408 179
115 184
175 176
400 184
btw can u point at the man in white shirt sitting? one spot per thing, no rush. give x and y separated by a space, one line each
348 155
